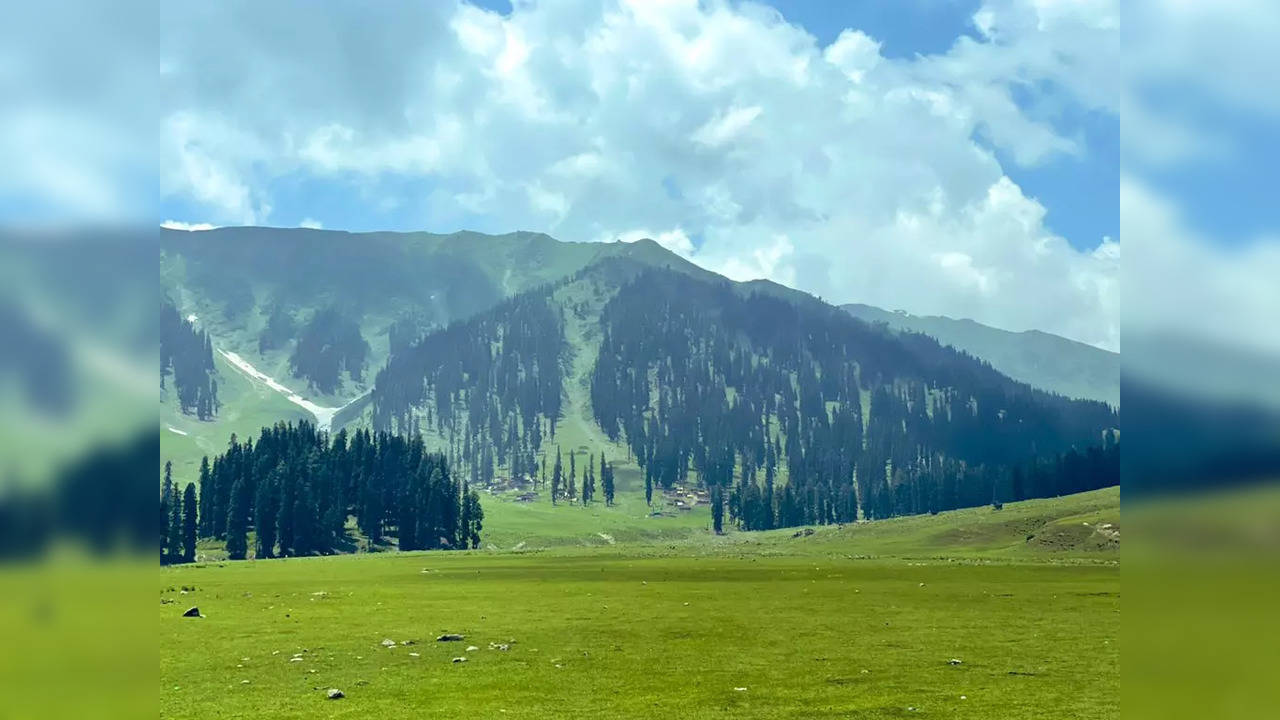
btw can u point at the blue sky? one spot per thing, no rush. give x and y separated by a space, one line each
944 157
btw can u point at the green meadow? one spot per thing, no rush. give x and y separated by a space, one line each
969 614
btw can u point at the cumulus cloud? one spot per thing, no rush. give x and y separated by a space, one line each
833 169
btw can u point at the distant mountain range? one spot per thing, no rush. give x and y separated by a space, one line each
508 352
1043 360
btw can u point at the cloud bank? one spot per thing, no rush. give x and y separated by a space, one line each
730 136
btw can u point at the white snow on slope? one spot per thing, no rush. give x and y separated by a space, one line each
323 415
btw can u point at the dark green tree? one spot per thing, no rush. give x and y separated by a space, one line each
606 480
717 509
238 521
189 523
265 514
557 476
166 509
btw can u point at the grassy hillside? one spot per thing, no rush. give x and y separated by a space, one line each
1037 358
770 627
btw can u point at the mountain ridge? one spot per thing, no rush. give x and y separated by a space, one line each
1039 358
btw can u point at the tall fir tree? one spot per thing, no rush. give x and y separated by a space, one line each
265 512
175 528
237 522
717 509
189 523
166 507
606 480
557 476
206 493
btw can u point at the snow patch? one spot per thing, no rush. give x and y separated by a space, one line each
173 429
323 415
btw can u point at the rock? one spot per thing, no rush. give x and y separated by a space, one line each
459 659
955 661
450 637
388 643
192 612
472 648
295 659
335 694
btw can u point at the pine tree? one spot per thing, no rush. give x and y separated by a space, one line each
166 507
189 523
606 480
648 487
205 526
175 528
237 521
717 509
557 474
588 481
475 518
265 513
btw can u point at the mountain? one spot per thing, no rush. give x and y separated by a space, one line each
539 368
1040 359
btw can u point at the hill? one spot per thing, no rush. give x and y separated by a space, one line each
787 411
1040 359
710 402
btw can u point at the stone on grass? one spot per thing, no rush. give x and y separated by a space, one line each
388 643
955 661
335 694
459 659
472 648
450 637
192 612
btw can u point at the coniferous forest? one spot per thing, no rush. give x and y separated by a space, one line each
295 488
491 386
784 409
329 345
186 359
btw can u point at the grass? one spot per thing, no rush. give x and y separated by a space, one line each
861 621
247 406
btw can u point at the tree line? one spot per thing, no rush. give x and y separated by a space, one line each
296 487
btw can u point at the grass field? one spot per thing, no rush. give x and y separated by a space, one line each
861 621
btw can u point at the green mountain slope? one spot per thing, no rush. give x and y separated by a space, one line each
1040 359
505 352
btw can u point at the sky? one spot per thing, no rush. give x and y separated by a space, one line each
957 157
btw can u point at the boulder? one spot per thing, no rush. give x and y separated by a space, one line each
450 637
459 659
335 694
193 612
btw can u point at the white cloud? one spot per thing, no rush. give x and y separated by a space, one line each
675 240
834 169
187 226
854 52
725 127
310 223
